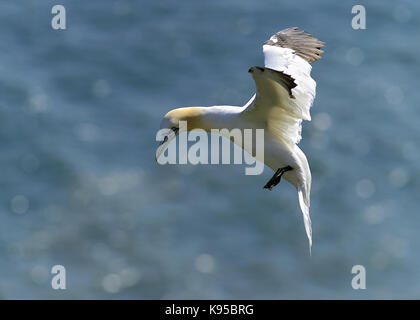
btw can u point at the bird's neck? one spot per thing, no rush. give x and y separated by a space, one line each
215 117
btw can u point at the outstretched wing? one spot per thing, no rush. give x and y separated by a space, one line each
302 43
285 89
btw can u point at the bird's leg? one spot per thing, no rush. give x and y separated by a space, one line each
275 179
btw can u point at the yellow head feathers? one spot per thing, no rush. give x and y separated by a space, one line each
192 115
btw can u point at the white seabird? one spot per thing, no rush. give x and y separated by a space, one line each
285 93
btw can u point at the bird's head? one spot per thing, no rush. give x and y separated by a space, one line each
175 122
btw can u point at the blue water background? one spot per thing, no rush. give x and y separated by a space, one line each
79 187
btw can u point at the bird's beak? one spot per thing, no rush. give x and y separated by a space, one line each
164 143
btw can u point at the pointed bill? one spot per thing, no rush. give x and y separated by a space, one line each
165 136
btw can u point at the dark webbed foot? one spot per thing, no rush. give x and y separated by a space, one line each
275 179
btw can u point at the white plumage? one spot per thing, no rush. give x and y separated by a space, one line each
284 95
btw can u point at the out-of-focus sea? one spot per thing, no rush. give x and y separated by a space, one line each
79 185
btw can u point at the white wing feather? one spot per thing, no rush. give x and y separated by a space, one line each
285 60
285 94
288 51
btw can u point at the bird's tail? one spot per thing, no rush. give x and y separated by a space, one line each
304 203
304 192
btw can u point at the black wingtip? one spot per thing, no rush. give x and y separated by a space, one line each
303 43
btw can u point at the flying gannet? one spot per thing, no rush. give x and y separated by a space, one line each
285 92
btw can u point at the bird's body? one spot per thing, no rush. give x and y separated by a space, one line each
285 93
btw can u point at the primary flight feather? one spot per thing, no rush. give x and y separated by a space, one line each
285 92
